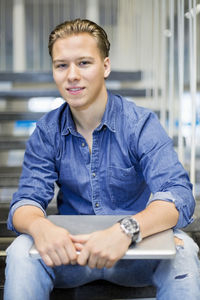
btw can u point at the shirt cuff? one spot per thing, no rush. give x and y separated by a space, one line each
165 196
17 205
183 219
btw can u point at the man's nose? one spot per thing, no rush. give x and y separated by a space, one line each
73 73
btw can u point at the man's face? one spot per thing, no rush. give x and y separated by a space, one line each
79 70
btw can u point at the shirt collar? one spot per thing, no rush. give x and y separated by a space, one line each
68 125
108 119
109 116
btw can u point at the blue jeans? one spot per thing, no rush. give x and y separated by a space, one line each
31 279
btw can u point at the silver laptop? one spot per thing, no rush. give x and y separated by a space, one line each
157 246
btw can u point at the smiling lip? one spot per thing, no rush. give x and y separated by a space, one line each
75 90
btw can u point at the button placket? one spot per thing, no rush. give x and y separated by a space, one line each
94 174
84 150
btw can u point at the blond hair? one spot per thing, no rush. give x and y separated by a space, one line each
78 26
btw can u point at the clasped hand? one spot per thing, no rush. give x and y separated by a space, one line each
101 248
97 250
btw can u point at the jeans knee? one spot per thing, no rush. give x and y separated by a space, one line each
185 265
184 243
26 277
19 247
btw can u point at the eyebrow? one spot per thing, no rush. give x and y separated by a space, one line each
79 58
86 57
58 61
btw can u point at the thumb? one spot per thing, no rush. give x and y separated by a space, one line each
81 238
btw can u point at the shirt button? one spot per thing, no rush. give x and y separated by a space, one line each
96 204
93 174
83 144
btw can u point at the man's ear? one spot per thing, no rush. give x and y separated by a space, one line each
107 67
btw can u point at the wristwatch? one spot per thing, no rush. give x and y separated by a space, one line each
131 228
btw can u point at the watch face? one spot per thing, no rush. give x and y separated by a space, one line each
130 227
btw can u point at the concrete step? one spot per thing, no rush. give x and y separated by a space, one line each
23 115
103 290
4 244
27 93
41 77
13 142
9 176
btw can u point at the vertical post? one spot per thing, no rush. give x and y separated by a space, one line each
192 33
45 33
36 36
19 47
155 50
180 9
2 36
171 71
93 10
163 64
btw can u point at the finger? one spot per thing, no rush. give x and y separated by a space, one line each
55 258
64 258
71 253
92 261
100 264
78 246
109 264
47 260
83 257
81 238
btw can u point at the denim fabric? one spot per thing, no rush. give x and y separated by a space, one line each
132 157
31 279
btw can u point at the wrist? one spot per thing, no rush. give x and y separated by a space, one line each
124 237
37 224
130 227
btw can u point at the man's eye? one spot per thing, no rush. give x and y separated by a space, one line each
84 63
61 66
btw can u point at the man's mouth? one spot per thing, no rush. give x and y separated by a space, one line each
75 90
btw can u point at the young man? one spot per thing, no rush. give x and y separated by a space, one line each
107 156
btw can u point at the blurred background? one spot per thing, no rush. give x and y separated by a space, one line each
155 47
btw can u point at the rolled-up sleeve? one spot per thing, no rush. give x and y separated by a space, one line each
17 205
37 181
164 174
185 211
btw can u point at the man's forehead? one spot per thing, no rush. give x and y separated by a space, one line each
79 38
81 45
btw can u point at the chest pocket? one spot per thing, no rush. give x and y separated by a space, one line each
124 185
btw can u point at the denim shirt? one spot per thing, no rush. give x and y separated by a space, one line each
132 158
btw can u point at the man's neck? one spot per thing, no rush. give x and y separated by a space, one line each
88 119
